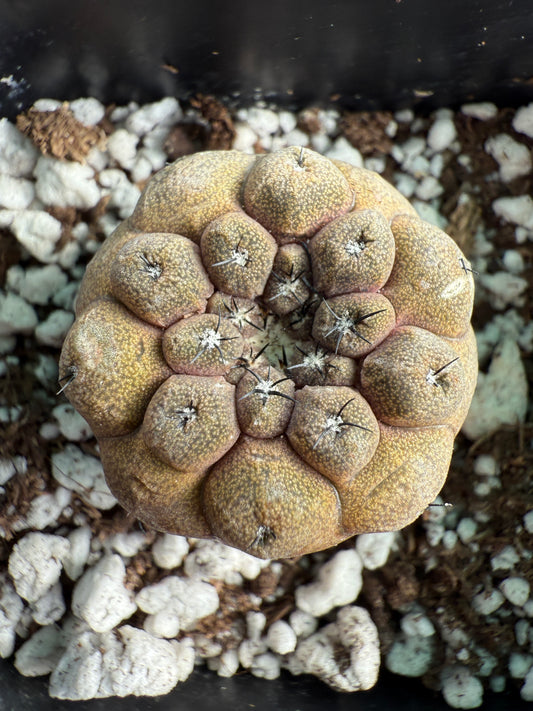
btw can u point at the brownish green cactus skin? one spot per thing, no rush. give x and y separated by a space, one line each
274 351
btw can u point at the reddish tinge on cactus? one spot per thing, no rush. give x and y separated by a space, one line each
274 351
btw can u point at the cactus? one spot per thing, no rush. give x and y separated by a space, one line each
274 351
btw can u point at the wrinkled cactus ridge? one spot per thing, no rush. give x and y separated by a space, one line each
274 351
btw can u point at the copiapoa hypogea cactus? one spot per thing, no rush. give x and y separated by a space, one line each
274 351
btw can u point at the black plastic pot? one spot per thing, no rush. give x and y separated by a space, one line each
384 53
358 54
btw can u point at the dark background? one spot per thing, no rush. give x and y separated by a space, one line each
369 53
359 54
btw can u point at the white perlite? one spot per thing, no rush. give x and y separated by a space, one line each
38 232
523 120
16 315
281 637
71 424
513 158
212 560
352 637
40 654
339 583
374 548
83 474
170 550
176 604
18 155
35 564
122 663
66 184
100 598
11 609
501 396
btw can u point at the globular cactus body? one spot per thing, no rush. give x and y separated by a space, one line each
274 351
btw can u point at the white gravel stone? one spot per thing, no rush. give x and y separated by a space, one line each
50 607
18 155
523 120
516 590
176 604
501 395
506 559
266 666
54 328
466 529
71 424
417 624
35 563
167 112
504 289
16 315
87 110
518 210
412 656
7 470
325 654
519 665
227 664
249 650
287 121
11 608
460 688
37 285
441 135
513 261
486 465
483 110
255 624
16 193
429 188
46 104
406 184
122 147
122 663
83 474
245 138
169 551
66 184
281 638
339 583
513 158
212 560
528 521
374 548
100 598
343 150
38 232
80 547
40 654
526 691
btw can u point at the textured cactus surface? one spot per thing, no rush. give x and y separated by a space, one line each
274 351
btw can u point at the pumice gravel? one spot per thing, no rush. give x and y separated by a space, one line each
107 607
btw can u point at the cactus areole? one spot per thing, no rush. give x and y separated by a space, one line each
274 351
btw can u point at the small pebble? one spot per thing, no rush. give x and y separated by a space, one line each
460 688
516 590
